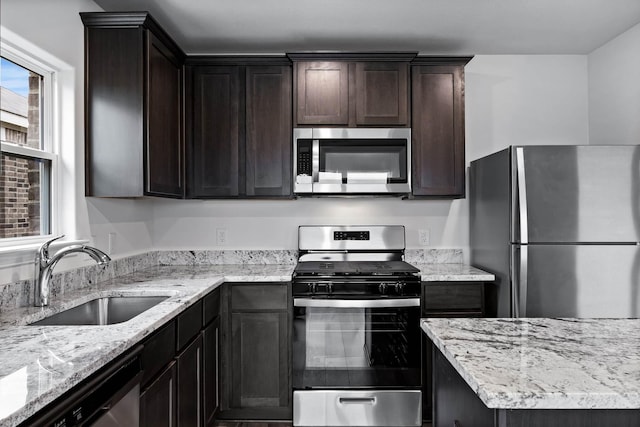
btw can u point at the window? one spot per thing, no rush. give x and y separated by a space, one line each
27 160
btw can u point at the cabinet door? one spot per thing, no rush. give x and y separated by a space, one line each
189 371
158 401
210 375
164 144
322 93
268 131
259 360
382 93
113 138
216 132
437 132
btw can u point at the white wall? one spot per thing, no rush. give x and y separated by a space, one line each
525 100
510 99
614 90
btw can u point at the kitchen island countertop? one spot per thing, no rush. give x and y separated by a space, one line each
544 363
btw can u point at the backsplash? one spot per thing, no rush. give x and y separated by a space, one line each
286 257
433 256
20 294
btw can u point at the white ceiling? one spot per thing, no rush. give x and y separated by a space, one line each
436 27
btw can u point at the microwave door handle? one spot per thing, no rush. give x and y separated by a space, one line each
315 160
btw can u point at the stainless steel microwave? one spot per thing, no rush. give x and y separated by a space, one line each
364 161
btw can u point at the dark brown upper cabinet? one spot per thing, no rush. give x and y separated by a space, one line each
437 132
322 93
241 128
382 93
134 143
350 90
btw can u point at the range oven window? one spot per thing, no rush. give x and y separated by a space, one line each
365 155
356 347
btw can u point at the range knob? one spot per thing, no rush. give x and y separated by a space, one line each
382 288
399 288
329 288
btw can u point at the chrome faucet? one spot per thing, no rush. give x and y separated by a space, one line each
45 265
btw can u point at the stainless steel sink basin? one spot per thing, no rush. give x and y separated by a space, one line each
103 311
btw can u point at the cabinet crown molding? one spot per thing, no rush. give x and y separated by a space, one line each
131 20
353 56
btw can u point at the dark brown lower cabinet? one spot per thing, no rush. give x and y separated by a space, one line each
257 377
210 377
158 400
185 391
260 365
189 366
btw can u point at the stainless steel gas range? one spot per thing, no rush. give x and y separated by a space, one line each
356 334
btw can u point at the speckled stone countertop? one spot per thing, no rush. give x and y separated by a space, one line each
40 363
452 273
544 363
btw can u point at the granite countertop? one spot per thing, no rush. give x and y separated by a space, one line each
544 363
452 273
40 363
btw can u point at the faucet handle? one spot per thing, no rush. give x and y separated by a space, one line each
43 252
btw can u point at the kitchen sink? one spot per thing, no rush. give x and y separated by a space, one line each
103 311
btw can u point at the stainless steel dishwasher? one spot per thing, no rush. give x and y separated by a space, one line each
111 398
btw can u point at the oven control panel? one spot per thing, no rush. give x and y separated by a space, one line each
351 235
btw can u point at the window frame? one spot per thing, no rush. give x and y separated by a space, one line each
50 150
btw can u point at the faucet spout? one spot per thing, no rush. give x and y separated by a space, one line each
44 265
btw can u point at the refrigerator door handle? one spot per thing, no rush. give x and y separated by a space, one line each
519 267
522 196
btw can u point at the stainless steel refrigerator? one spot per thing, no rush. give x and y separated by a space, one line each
559 226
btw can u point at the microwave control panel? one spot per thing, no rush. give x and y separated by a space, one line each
303 161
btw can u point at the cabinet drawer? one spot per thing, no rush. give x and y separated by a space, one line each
453 297
211 306
158 351
259 297
188 325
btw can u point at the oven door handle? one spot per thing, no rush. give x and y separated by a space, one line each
356 303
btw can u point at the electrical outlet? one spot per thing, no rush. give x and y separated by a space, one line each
423 237
111 242
221 236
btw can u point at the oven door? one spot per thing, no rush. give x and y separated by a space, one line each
356 343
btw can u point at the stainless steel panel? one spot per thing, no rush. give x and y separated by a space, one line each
326 188
490 207
582 193
381 237
357 408
582 281
124 413
362 133
353 303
